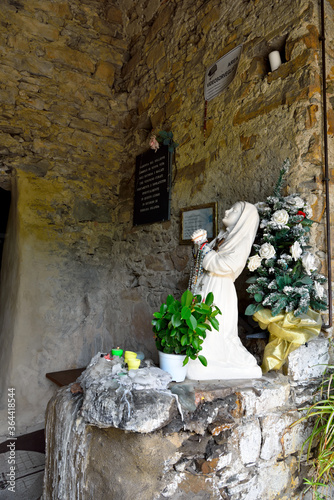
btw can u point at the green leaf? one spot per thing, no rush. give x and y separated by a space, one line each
307 280
287 279
170 300
258 297
157 315
203 360
185 360
307 222
202 327
280 282
209 299
215 323
163 308
195 343
176 320
191 322
159 325
187 298
202 308
185 312
251 309
184 340
215 313
253 279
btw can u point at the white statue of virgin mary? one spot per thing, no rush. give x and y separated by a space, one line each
226 356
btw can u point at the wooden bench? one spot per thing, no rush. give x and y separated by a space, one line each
65 377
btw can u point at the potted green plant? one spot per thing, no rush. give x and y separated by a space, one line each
180 328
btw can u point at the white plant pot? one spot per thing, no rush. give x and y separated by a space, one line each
173 364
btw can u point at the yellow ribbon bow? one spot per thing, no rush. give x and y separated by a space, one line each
287 333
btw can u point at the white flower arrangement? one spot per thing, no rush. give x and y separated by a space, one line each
285 276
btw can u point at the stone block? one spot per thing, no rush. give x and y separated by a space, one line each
131 65
161 20
311 116
249 435
293 437
273 427
86 210
19 42
330 120
105 72
34 65
274 480
156 53
114 15
69 57
104 27
247 142
151 9
270 396
308 362
210 19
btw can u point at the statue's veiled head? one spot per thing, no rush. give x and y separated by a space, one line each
232 215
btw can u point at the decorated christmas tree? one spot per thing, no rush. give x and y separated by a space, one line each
285 286
284 271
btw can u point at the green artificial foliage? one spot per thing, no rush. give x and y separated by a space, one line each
180 326
284 274
166 138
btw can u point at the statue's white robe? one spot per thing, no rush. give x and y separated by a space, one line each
226 356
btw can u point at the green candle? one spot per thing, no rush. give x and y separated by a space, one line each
117 352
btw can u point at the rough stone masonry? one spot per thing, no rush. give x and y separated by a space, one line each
229 438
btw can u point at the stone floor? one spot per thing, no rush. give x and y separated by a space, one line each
29 476
29 467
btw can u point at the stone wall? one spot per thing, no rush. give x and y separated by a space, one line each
82 85
61 140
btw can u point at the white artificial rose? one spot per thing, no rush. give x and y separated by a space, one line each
254 262
295 200
319 290
309 263
267 251
280 216
289 199
299 202
296 250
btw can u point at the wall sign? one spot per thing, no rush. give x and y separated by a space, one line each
152 186
221 73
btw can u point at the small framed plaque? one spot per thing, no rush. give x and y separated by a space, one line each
198 217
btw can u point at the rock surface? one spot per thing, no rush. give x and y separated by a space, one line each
135 400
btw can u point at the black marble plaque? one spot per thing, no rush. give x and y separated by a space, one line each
152 186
